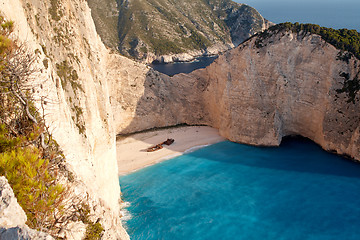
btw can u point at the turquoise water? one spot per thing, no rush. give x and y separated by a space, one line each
234 191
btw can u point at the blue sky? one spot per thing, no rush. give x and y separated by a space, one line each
328 13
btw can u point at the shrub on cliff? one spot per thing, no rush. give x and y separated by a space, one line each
28 155
29 158
34 186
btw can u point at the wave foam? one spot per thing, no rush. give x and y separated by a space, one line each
126 215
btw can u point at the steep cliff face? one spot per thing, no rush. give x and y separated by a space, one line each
291 83
168 31
72 82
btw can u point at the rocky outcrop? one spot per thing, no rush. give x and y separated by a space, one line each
290 84
11 214
170 31
13 218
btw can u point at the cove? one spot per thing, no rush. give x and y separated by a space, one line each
234 191
183 67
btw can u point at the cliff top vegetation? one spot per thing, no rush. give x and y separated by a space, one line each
342 39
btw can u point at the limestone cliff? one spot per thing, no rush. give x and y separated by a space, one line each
290 84
71 81
13 218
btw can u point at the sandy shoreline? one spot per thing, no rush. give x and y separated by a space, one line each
131 150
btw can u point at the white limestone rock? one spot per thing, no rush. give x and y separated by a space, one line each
11 214
78 112
13 217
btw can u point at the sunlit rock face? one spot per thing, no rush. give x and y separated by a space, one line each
290 84
71 79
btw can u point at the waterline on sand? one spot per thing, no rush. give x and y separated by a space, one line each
132 154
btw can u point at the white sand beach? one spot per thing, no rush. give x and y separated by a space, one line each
132 154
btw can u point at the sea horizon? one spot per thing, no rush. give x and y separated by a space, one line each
326 13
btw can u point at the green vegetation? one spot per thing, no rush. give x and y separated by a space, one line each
344 56
46 63
55 11
78 118
29 158
34 186
342 39
166 27
67 75
164 47
5 43
28 155
198 41
106 20
94 230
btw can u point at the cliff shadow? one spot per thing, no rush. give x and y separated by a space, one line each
295 154
165 110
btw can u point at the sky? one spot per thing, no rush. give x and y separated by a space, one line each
327 13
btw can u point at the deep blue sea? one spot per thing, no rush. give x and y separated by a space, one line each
327 13
233 191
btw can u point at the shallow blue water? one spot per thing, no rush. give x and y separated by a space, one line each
233 191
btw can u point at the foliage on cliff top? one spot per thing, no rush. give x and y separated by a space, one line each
342 39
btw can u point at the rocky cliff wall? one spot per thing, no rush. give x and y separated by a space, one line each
289 84
72 83
265 89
